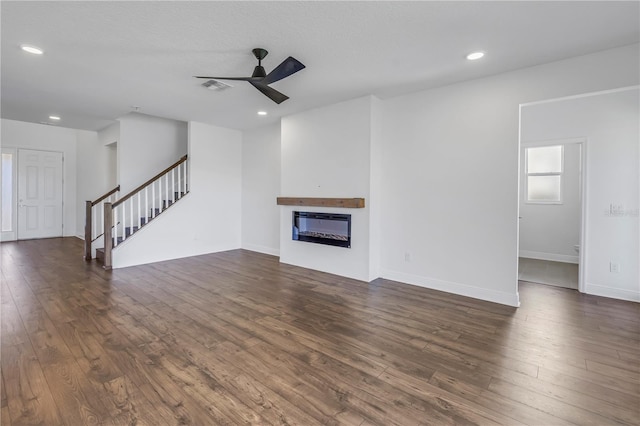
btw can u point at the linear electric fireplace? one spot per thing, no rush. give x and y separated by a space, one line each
322 228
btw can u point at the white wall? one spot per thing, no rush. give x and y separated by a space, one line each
110 136
206 220
147 145
260 188
93 173
450 173
550 231
610 122
326 152
18 134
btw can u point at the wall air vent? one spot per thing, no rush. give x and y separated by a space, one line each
216 85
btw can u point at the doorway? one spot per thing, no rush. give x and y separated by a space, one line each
32 194
551 210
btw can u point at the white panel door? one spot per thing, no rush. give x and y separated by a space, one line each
39 194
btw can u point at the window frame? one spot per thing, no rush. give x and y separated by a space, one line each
527 174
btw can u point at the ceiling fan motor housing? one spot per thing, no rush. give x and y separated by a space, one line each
259 71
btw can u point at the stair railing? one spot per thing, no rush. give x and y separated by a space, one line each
136 209
94 219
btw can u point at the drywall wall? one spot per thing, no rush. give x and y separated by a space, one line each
551 231
450 173
93 173
260 188
109 136
206 220
147 145
325 152
610 123
18 134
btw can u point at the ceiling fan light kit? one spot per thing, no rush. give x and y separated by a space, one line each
261 80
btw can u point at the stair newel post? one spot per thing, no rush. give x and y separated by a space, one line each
87 230
108 237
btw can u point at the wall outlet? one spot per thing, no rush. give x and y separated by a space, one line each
407 257
614 267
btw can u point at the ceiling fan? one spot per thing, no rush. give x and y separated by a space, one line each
261 80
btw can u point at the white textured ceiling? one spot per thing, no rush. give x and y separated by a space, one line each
103 57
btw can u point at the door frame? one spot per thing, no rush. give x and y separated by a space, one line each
13 234
582 188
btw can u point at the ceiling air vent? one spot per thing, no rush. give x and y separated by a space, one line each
216 85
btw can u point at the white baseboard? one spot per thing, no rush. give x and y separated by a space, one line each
613 293
549 256
510 299
261 249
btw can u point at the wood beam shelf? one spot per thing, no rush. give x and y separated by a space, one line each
352 203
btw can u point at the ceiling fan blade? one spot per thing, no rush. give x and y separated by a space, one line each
231 78
289 66
272 94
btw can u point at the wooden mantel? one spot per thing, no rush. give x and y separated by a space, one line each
353 203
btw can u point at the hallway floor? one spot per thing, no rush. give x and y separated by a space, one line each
558 274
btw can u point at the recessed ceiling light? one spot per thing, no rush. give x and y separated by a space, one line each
32 49
475 55
262 112
54 117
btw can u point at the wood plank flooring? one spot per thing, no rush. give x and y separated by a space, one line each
237 338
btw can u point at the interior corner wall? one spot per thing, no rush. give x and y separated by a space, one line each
147 145
110 134
206 220
260 188
610 123
450 173
375 185
325 152
22 135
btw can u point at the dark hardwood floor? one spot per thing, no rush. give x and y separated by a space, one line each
237 338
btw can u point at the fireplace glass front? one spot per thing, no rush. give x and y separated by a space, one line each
322 228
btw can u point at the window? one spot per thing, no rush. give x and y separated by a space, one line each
543 174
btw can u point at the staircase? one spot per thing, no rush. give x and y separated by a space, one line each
124 217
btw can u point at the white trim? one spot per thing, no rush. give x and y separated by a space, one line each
548 142
553 257
614 293
261 249
504 298
582 95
